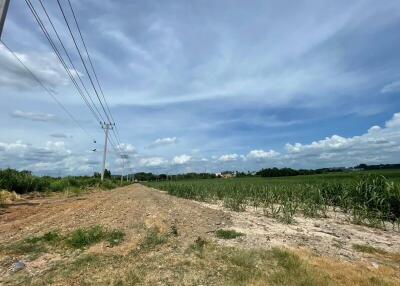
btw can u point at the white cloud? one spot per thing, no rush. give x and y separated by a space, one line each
378 145
228 158
164 141
261 155
391 87
152 162
45 66
33 116
127 149
180 160
34 158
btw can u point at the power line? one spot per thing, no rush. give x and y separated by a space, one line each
67 54
55 49
98 116
83 61
49 91
94 71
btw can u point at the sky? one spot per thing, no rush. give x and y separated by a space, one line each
207 86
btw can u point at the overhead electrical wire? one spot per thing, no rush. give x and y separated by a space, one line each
91 105
67 54
40 22
49 91
93 69
93 108
83 61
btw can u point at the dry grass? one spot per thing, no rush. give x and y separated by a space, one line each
356 272
7 197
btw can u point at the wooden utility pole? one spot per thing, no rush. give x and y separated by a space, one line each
3 12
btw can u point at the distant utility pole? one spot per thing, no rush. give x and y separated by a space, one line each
3 12
123 156
106 127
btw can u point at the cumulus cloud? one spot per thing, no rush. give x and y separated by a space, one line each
31 157
229 157
377 145
152 162
44 117
127 149
180 160
164 141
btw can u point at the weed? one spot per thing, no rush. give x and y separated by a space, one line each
153 239
228 234
81 238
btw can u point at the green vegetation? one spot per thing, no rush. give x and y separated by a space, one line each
79 238
153 239
23 182
368 198
228 234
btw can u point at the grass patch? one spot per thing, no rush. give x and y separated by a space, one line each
81 238
368 249
153 239
228 234
291 270
33 246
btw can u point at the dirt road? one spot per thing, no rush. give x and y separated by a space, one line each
172 241
124 208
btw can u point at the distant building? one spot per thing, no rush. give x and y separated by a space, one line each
228 174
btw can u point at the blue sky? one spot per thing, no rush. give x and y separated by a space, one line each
209 85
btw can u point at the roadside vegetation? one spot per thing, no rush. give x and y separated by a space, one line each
22 182
53 240
163 261
372 199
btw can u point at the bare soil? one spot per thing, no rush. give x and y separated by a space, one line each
324 244
333 236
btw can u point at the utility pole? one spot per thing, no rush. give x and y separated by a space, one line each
106 127
3 12
123 156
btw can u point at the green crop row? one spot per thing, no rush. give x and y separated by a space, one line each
368 199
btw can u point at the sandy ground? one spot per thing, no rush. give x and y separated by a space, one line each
136 208
334 236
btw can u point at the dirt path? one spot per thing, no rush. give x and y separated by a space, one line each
124 208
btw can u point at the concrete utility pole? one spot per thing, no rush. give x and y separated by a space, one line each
3 12
123 156
106 127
